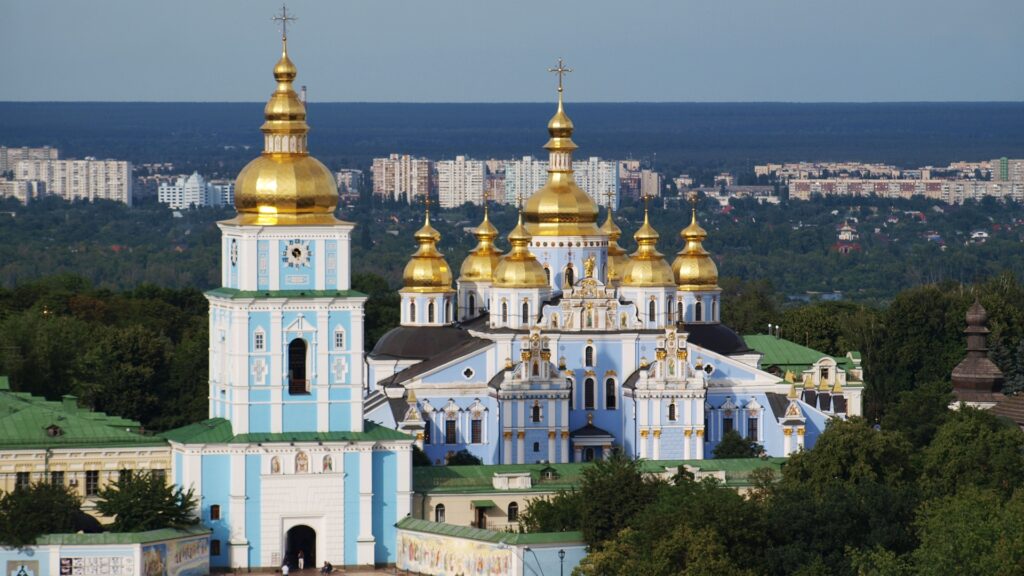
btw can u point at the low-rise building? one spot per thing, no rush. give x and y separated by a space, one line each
948 191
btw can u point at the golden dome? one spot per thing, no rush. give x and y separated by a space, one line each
693 267
617 256
520 268
647 266
285 185
561 208
427 270
481 262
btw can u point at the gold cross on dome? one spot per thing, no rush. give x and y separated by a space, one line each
284 19
561 70
608 199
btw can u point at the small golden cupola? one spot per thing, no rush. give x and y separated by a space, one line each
285 185
427 270
520 268
480 264
561 208
693 267
647 266
618 258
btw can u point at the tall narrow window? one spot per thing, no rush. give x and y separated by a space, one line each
714 310
698 315
588 394
430 312
412 312
92 482
672 412
547 275
427 427
449 431
668 309
476 431
439 513
588 454
215 512
297 383
22 480
588 356
570 276
727 425
569 383
752 429
472 305
535 412
504 312
259 341
610 398
651 311
214 547
513 512
679 312
339 339
526 313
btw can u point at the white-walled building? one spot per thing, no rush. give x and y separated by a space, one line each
9 157
195 191
87 179
598 178
23 190
350 182
401 174
650 183
459 181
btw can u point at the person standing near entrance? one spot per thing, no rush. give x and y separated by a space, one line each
285 568
302 560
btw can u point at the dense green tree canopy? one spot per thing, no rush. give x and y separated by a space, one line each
143 501
42 508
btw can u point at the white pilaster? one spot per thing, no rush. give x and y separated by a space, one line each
238 545
365 542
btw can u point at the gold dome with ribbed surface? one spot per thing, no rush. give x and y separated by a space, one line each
647 266
693 267
618 258
480 264
285 185
520 268
427 270
561 208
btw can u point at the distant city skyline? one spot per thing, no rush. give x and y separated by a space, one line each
459 51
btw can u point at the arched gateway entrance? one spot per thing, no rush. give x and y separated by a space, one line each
300 538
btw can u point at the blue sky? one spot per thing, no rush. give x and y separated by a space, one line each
487 51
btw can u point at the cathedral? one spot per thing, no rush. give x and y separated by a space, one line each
567 348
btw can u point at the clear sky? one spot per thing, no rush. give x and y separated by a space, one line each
491 51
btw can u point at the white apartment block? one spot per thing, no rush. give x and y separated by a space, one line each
948 191
807 170
459 181
87 179
401 175
349 180
9 157
195 191
650 183
598 178
1007 170
23 191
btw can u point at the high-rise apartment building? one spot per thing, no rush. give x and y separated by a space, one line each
9 157
87 179
524 177
459 181
23 191
221 192
399 176
598 178
629 178
1007 170
350 182
650 183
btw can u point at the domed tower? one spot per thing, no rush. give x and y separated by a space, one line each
618 258
561 217
977 381
427 295
697 300
647 279
477 273
286 330
520 284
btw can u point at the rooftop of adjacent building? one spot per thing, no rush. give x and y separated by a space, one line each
481 535
28 422
219 431
788 356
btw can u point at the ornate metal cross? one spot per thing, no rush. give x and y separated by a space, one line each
561 70
284 19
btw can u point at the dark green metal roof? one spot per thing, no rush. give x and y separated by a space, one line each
512 539
788 355
218 431
234 294
121 537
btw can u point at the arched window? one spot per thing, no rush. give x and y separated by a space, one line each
610 398
698 312
472 305
412 312
588 394
339 338
652 311
297 383
588 454
535 412
679 311
526 313
215 512
588 356
672 412
447 311
547 274
536 368
439 513
504 312
714 310
668 309
569 383
570 277
513 512
430 312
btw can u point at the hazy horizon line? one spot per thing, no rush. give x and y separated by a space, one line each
511 102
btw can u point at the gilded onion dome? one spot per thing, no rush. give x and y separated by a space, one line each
481 262
693 267
285 185
520 268
647 266
427 270
618 258
561 208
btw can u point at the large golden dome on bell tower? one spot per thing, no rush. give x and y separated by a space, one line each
285 185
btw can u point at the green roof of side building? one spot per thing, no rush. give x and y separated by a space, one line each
121 537
555 477
234 294
218 431
788 355
480 535
32 422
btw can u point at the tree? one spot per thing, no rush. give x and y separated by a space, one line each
612 491
733 445
973 448
41 508
145 501
852 452
560 513
464 458
419 457
919 412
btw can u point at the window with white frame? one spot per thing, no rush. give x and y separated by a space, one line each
339 339
259 341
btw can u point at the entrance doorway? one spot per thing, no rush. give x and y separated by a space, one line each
300 538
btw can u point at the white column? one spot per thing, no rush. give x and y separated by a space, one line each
565 446
700 443
506 452
321 388
365 543
787 441
656 440
507 431
279 364
577 454
520 447
800 438
551 444
238 556
404 483
687 439
643 442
